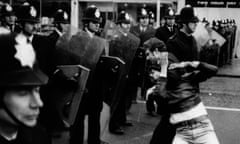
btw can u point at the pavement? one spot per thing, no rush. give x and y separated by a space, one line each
220 94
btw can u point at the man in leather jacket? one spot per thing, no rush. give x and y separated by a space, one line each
185 72
186 112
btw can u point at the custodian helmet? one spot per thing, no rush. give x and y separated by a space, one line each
187 15
7 10
169 14
123 17
61 17
92 13
17 59
27 13
143 13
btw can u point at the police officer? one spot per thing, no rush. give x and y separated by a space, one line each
124 46
165 32
91 105
144 32
28 19
61 23
152 19
8 19
91 20
20 101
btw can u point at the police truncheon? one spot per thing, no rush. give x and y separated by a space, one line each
69 91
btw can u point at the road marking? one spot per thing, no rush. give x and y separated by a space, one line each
208 107
223 108
142 136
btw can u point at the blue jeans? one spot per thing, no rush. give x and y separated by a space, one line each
201 132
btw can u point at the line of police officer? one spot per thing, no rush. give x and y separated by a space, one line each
114 70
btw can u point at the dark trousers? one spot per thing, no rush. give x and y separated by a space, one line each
150 106
77 130
164 132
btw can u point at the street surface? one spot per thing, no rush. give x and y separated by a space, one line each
221 95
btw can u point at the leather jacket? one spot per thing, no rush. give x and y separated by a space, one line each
182 91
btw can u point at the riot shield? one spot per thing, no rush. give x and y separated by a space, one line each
67 87
109 71
121 44
87 49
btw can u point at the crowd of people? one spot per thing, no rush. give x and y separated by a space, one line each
88 79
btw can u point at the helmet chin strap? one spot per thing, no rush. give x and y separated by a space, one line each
13 117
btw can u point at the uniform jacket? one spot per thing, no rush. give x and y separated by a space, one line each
183 47
29 136
44 53
144 36
163 33
182 91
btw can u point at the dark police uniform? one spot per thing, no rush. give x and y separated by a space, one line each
88 51
165 32
88 48
29 136
124 46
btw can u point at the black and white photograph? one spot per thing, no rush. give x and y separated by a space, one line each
119 71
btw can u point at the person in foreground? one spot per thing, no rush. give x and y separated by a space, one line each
20 101
187 112
186 121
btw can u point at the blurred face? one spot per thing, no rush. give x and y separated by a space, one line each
190 27
93 26
162 22
125 27
170 22
29 28
10 20
24 104
144 21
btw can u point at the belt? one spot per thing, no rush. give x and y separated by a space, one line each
191 121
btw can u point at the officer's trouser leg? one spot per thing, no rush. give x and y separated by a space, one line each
94 128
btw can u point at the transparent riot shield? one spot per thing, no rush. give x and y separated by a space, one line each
88 49
121 44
